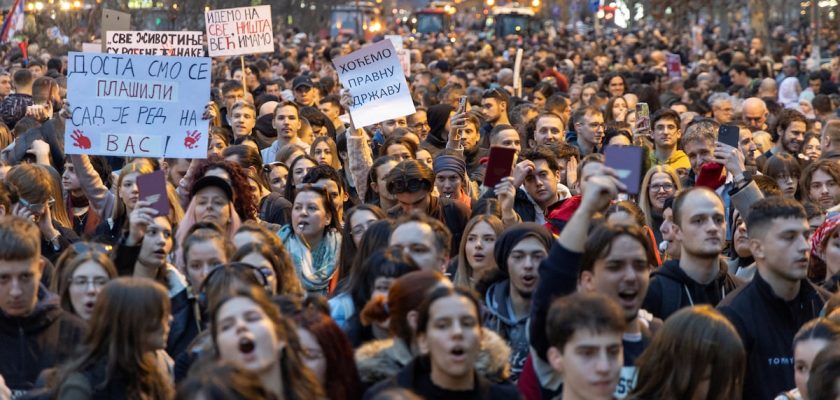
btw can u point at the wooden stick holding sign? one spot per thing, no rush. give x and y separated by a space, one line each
517 73
244 81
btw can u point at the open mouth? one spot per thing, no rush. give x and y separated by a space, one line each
160 253
628 296
302 225
529 280
246 345
458 353
89 305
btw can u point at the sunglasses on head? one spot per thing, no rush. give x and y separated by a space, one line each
412 185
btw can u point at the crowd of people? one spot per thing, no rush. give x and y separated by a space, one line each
308 258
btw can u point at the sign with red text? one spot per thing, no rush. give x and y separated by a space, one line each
672 61
137 106
376 82
156 43
239 31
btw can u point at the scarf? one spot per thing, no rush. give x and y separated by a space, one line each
315 268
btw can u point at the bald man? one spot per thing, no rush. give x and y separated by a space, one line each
768 88
755 113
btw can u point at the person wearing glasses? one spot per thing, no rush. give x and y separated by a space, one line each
589 128
32 185
82 272
411 182
35 333
659 184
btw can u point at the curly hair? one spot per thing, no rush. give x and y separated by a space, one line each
244 199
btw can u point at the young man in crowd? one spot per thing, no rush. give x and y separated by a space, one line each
411 182
495 104
243 117
306 94
612 261
821 183
589 127
331 107
426 240
287 122
768 311
789 133
666 136
549 130
35 333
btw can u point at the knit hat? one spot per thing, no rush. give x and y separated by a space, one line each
450 163
511 236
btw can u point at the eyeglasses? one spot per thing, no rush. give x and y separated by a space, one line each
84 282
37 208
665 187
91 247
412 185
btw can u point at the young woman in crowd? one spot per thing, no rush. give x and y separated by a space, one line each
81 275
84 217
785 169
211 201
822 382
298 169
206 247
249 332
245 201
476 265
812 338
382 359
275 264
275 174
329 355
357 221
811 149
313 239
324 151
616 109
697 354
825 253
659 183
218 141
448 338
374 276
122 353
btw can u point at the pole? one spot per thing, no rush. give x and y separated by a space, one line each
244 84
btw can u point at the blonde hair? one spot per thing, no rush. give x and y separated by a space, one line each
644 196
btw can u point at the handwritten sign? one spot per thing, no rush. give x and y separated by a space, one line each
137 106
379 90
674 65
153 43
235 31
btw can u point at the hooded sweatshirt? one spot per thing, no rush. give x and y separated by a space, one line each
41 340
671 289
499 316
437 115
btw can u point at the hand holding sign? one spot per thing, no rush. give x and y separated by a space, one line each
80 140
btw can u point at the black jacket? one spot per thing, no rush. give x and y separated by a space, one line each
41 340
522 205
767 324
416 377
671 289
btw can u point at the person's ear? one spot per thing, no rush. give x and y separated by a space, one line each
555 359
2 210
757 249
164 165
411 318
374 186
422 343
532 143
678 232
586 281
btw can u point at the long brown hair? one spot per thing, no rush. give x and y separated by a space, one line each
342 377
297 379
406 294
36 184
127 311
464 272
66 269
694 342
288 283
140 167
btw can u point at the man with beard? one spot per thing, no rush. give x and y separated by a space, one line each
518 252
821 181
699 276
789 133
768 311
494 105
287 122
611 260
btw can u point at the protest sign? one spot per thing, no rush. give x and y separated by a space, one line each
238 31
379 91
91 47
113 21
402 53
674 65
137 106
153 43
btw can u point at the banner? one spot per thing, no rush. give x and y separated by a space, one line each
379 90
137 106
153 43
239 31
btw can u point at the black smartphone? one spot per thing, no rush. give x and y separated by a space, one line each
729 134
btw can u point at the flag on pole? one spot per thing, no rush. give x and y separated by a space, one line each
13 21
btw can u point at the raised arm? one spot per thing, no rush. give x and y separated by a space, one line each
359 153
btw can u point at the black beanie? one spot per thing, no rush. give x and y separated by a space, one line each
511 236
